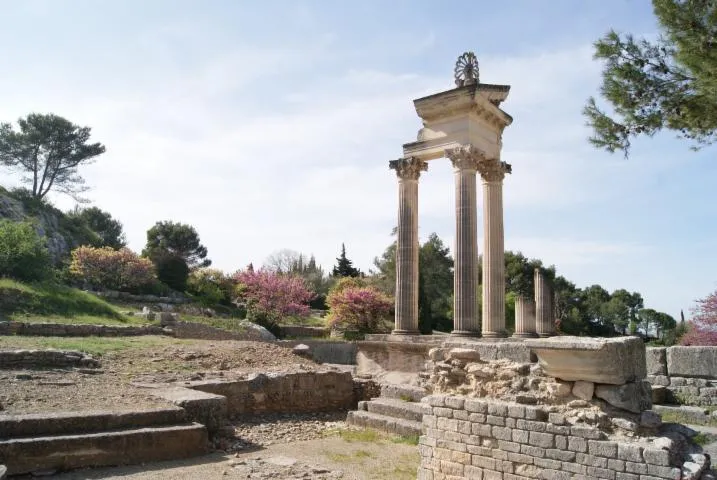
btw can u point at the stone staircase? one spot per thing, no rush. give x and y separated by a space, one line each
397 411
56 442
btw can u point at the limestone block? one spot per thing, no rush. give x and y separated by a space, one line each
302 350
3 471
614 361
464 354
656 360
633 397
437 354
584 390
692 361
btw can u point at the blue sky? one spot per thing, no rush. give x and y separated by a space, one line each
269 125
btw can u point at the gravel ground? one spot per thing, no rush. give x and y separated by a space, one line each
145 360
282 447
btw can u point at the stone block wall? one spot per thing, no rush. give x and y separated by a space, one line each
303 331
327 351
70 330
496 440
688 374
19 359
284 392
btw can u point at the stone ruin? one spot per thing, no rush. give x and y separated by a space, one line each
583 411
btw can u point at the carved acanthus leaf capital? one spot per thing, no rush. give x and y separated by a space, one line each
465 157
409 168
493 170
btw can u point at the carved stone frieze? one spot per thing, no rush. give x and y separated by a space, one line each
408 168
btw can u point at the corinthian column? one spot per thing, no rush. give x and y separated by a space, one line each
544 322
493 171
524 317
465 278
408 170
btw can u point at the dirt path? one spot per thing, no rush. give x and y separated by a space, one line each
331 457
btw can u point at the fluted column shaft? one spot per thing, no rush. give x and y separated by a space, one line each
408 170
524 317
544 322
493 257
466 321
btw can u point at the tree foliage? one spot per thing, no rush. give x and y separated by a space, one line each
48 150
107 268
23 254
270 296
344 267
109 231
211 286
703 330
669 83
178 240
362 308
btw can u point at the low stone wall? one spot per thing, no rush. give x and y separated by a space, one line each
45 358
303 331
129 297
685 375
491 439
284 392
201 331
73 330
322 351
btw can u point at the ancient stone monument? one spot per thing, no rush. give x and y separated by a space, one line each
465 125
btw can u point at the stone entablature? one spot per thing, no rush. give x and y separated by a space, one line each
492 439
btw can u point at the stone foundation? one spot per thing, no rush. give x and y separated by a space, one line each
45 358
70 330
684 375
491 439
284 392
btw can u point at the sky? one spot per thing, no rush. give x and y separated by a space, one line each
269 125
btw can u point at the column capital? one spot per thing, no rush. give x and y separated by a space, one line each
408 168
493 170
465 157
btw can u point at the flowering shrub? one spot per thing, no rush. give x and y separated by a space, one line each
703 330
111 269
271 296
363 308
211 286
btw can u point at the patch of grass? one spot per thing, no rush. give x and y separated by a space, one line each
678 417
702 439
405 398
52 302
365 435
407 439
93 345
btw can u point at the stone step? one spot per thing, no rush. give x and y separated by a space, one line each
384 423
120 447
403 392
65 423
397 408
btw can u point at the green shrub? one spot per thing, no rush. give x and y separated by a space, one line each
23 254
210 286
172 271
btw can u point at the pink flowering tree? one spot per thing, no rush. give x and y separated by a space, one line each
361 308
703 330
271 296
111 269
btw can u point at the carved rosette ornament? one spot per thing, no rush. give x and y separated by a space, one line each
408 168
493 170
465 157
466 70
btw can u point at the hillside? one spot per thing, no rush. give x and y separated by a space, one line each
62 232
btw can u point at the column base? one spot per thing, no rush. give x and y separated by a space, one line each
465 333
524 335
494 335
405 332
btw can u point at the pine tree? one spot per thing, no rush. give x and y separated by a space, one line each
344 266
669 83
